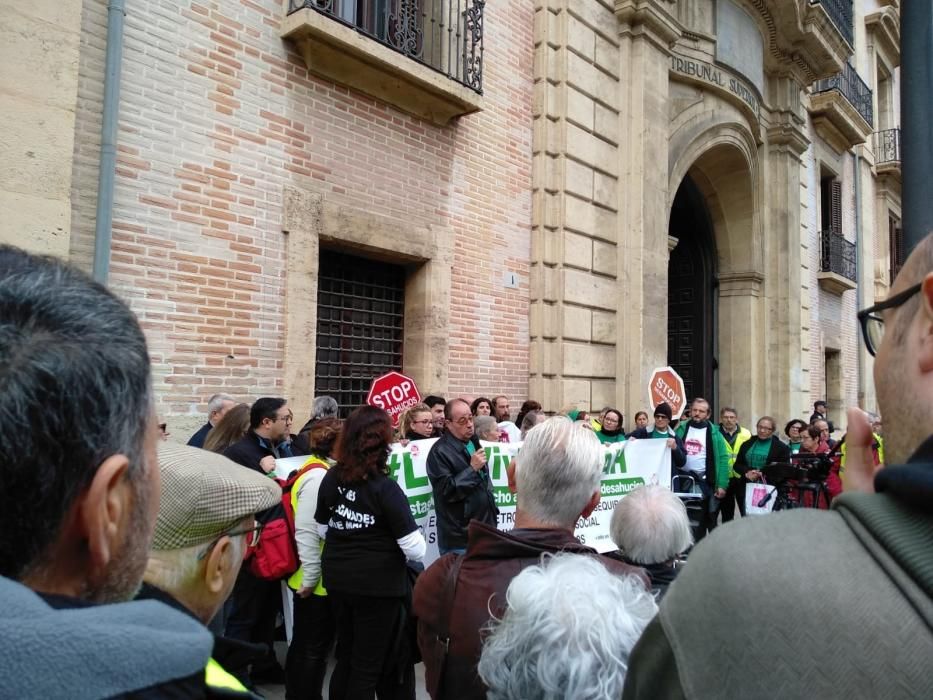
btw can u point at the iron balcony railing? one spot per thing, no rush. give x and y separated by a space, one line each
837 254
887 146
446 35
852 87
840 12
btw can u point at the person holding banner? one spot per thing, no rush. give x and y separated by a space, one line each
459 479
662 430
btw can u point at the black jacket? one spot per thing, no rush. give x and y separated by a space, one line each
779 452
197 440
460 493
678 456
250 450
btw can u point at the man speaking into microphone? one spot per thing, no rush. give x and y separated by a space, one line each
459 479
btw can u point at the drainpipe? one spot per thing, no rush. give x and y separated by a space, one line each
116 12
859 288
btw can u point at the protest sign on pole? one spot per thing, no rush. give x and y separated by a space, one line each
666 386
393 393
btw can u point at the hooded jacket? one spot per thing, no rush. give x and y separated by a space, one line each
94 651
493 558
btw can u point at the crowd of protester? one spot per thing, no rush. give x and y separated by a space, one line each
118 551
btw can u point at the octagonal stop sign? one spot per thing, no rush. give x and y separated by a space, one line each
666 385
393 393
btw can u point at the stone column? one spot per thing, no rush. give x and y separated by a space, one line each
646 32
574 295
783 322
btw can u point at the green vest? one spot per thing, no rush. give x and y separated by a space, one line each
295 580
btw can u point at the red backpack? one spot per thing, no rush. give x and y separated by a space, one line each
275 556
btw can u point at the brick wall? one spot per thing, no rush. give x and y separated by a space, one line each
218 114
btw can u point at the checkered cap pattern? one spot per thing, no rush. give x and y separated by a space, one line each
204 495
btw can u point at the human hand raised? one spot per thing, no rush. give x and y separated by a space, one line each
860 469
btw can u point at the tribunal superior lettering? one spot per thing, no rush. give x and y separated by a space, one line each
711 74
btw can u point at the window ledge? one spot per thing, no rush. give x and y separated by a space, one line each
834 283
347 57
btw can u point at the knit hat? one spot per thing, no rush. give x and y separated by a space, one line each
663 409
204 495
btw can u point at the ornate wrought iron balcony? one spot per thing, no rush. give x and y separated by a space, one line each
888 146
445 35
837 255
853 88
840 12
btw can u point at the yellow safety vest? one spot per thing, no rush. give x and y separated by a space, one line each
216 676
733 450
842 453
295 580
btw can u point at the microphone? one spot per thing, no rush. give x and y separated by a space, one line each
764 501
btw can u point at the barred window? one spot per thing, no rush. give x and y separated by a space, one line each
360 325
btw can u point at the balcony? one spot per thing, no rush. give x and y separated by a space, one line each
842 109
838 270
888 152
423 56
840 14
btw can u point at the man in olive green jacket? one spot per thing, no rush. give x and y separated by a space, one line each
817 604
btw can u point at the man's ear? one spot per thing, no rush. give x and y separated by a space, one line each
510 473
219 565
926 328
105 509
591 506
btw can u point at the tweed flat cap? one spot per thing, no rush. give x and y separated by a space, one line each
204 495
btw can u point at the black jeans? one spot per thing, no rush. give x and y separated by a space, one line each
313 636
372 649
253 612
734 494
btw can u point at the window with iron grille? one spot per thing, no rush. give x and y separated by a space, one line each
360 325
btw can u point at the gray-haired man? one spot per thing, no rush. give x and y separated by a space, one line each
217 407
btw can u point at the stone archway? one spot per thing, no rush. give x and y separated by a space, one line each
721 166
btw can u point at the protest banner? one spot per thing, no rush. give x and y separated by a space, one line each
626 465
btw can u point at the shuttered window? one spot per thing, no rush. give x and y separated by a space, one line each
360 325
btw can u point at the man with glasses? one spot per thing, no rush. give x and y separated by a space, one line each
750 590
459 479
255 602
735 436
206 524
266 439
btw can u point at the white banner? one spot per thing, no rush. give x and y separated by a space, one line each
626 466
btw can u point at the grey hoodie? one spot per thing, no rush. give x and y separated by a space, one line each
93 652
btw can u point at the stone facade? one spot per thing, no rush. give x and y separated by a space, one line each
534 221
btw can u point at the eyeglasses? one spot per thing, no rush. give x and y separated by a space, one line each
284 418
463 420
252 538
661 417
873 324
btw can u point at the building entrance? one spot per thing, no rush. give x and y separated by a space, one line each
691 290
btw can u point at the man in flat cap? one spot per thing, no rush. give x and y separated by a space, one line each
206 522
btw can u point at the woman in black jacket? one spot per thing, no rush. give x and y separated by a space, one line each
761 449
369 534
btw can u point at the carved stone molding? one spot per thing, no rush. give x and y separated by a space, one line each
740 284
653 19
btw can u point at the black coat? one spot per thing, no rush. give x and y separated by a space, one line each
779 452
461 494
250 450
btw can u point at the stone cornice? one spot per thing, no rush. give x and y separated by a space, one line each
652 19
740 284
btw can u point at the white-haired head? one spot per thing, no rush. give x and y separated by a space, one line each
567 632
557 472
650 526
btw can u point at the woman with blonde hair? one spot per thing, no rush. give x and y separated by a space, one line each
416 423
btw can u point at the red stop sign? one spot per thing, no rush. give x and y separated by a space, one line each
666 385
393 393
